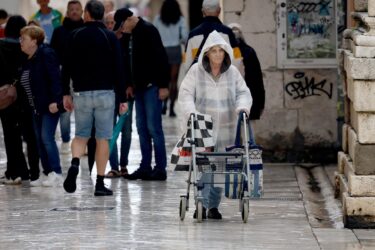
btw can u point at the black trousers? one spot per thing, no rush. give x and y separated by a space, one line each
16 162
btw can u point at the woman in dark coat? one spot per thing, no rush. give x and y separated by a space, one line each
41 82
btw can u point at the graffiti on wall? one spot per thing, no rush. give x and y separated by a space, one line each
310 29
303 87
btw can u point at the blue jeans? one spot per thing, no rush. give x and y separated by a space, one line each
65 126
45 127
126 139
211 195
149 125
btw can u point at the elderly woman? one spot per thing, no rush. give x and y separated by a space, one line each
214 86
41 82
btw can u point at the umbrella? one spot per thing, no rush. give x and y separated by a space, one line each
118 127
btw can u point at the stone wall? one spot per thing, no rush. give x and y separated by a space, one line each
356 170
296 125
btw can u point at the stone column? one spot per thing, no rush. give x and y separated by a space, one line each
355 178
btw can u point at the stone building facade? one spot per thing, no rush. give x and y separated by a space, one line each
355 179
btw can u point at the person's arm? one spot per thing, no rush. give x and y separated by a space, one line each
51 63
254 80
187 92
161 63
244 99
120 85
66 75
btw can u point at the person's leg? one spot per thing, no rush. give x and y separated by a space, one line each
101 155
84 116
49 125
31 143
154 127
103 112
91 148
113 157
173 88
126 138
37 126
144 171
214 200
65 126
16 162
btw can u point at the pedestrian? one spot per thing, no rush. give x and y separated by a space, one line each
215 87
93 62
172 28
3 22
147 66
73 20
109 20
211 10
48 18
109 6
41 81
11 58
253 72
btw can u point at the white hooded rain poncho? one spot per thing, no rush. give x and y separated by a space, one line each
222 98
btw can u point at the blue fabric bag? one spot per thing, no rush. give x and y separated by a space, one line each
233 190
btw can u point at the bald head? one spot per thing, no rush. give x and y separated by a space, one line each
211 7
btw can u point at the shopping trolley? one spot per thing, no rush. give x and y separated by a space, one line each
218 169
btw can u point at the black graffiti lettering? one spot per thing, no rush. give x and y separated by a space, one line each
305 87
309 7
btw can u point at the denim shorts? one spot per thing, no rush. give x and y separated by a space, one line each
94 107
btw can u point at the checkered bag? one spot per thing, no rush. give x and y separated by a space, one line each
181 153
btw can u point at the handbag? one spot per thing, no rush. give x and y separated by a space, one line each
8 95
235 179
182 152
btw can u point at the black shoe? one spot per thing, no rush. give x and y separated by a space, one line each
139 174
172 113
214 213
204 214
70 181
101 190
158 175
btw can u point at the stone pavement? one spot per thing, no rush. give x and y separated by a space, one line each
144 214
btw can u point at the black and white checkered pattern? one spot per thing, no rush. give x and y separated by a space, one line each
181 154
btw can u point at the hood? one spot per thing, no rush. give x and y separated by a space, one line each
214 39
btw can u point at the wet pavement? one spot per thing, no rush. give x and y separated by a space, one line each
145 214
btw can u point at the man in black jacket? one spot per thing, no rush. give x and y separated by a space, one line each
253 73
93 61
72 21
147 70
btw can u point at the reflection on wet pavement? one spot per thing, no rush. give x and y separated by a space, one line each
144 214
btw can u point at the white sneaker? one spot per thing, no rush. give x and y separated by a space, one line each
53 180
65 148
38 182
10 181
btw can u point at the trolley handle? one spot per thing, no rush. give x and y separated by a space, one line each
242 117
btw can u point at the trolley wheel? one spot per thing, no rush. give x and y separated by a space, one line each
245 210
182 207
199 211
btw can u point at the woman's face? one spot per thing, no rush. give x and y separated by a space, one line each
216 55
28 45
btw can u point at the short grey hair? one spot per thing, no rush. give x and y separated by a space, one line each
211 5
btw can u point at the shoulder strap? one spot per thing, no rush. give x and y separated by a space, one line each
199 50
